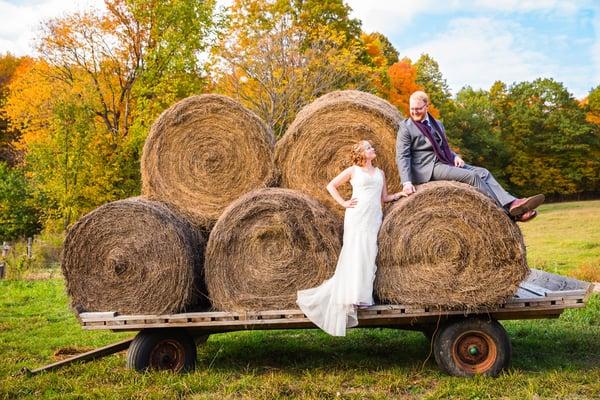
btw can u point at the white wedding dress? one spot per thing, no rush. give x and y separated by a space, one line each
332 305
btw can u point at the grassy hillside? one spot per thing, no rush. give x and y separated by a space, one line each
565 239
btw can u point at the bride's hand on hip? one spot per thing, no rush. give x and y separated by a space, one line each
350 203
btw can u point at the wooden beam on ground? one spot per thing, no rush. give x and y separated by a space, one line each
87 356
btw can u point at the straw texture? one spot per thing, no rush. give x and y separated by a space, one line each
316 147
267 245
204 152
449 246
134 256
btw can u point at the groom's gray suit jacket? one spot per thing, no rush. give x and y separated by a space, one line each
414 152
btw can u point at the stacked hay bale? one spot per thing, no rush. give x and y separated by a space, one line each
203 153
266 246
449 246
133 256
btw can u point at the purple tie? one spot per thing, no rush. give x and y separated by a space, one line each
426 123
434 133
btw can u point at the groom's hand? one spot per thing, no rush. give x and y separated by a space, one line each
458 162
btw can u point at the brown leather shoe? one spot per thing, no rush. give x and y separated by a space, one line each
521 206
526 216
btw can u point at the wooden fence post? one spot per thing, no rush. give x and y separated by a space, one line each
29 243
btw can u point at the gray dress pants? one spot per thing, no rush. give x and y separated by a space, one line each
479 177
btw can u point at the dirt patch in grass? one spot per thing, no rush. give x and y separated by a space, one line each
69 351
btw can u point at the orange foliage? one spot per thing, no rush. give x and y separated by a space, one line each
374 49
403 76
29 104
591 116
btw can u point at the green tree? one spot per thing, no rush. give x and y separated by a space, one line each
552 145
473 131
18 216
430 78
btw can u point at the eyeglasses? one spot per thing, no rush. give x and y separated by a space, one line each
418 108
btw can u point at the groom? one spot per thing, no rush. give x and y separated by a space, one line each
423 155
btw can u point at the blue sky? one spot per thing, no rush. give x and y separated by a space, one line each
476 42
480 41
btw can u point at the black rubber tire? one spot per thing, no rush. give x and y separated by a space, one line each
471 347
162 349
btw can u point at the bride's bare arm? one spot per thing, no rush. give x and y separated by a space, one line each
332 186
385 197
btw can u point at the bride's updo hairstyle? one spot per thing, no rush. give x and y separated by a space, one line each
357 156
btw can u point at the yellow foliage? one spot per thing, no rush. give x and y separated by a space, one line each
29 105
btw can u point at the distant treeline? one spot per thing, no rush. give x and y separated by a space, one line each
74 118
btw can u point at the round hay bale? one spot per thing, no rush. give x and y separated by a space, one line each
266 246
316 147
134 256
203 153
449 246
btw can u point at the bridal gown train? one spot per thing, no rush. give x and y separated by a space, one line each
332 305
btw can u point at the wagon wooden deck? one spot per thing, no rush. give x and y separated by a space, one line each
541 295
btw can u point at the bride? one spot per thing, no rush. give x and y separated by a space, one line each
332 305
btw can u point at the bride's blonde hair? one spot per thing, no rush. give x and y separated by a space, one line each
357 155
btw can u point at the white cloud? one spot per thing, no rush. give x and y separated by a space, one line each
388 16
19 24
479 51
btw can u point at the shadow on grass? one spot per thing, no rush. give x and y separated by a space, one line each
538 346
553 345
367 349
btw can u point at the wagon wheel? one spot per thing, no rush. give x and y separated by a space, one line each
162 349
472 346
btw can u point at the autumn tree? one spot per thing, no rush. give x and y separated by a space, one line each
402 76
380 49
112 59
8 132
592 103
86 105
275 56
552 146
64 146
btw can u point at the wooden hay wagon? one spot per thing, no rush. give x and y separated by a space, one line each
464 343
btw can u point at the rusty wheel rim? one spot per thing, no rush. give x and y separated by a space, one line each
168 354
474 352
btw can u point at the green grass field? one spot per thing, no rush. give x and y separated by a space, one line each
551 358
